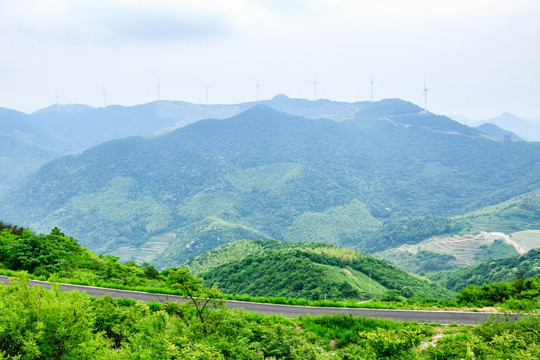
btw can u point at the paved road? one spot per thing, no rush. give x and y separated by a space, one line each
442 317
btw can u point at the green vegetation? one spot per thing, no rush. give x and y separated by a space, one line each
48 324
23 149
409 230
506 269
237 250
447 252
498 250
309 271
56 256
306 270
516 214
268 175
38 323
519 294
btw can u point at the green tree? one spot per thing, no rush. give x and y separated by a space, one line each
204 301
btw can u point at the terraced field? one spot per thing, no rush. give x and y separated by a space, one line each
462 248
148 251
527 240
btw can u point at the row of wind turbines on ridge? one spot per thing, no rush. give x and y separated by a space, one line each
258 88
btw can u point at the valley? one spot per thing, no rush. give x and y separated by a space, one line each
264 174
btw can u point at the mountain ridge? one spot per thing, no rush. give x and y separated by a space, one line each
271 175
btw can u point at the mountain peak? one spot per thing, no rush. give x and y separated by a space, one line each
280 97
261 111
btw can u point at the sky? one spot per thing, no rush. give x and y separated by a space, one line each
478 58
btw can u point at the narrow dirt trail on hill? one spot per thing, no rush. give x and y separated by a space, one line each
516 246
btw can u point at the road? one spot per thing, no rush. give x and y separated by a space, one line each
442 317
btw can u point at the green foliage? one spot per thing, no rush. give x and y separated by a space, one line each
502 337
49 324
307 270
409 230
496 293
498 250
58 256
40 324
516 214
506 269
264 174
231 252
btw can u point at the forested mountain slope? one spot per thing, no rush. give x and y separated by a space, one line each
265 174
23 147
507 269
305 270
82 126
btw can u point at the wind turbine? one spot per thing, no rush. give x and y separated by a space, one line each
158 96
425 97
314 82
57 99
104 97
258 88
371 82
206 88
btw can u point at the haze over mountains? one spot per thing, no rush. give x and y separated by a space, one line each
32 140
526 128
267 174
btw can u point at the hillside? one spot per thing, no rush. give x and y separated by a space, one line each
498 133
304 270
82 126
489 233
23 149
32 140
527 129
448 252
507 269
265 174
516 214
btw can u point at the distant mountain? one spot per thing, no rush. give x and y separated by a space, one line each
70 129
82 126
265 174
305 270
525 128
23 149
496 132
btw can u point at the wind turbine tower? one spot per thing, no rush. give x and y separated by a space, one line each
371 82
57 99
206 88
104 97
158 96
425 97
258 89
314 82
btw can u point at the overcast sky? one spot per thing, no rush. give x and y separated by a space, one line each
478 57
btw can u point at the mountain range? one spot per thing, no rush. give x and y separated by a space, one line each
524 128
267 174
32 140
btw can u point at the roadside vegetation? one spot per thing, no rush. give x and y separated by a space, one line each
290 268
40 324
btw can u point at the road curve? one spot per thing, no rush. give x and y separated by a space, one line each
442 317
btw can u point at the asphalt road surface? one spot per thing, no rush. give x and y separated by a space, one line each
442 317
